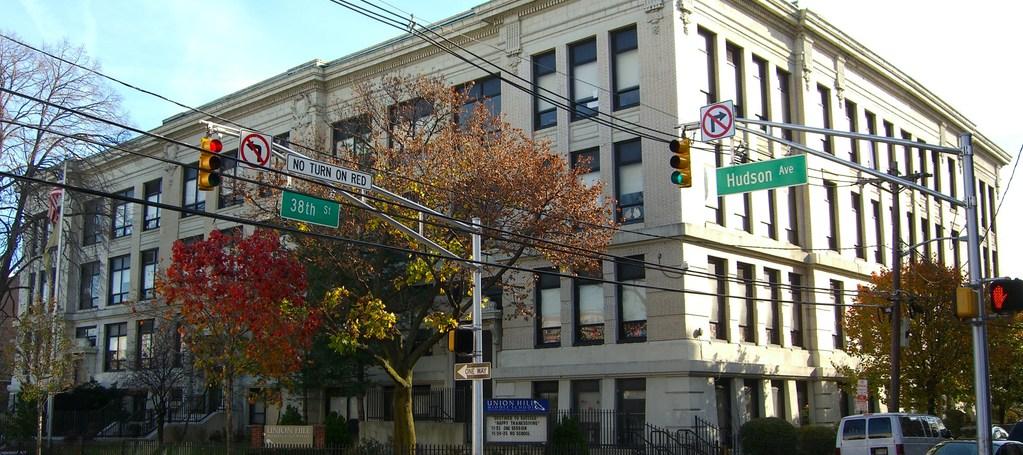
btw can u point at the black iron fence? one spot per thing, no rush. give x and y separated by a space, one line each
446 405
152 448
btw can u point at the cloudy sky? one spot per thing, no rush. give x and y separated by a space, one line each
194 51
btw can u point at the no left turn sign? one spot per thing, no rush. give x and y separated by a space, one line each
717 121
254 150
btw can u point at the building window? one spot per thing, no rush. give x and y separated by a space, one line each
952 178
831 199
796 290
922 159
706 47
871 145
747 310
119 279
955 250
716 205
484 92
857 213
92 229
785 98
939 232
545 84
631 408
824 106
229 192
117 347
588 296
586 395
778 397
31 288
121 215
911 228
839 312
193 198
589 161
760 99
773 323
546 390
89 286
257 408
144 344
851 125
803 401
351 136
991 207
936 170
719 302
548 306
629 180
772 214
583 65
148 278
631 298
152 189
734 87
925 237
409 119
625 68
875 207
751 397
87 333
889 131
792 230
907 153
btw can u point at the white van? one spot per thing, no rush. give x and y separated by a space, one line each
889 434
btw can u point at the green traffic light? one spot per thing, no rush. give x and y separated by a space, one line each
677 178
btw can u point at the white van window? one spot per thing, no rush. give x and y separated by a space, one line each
914 427
879 427
854 429
935 424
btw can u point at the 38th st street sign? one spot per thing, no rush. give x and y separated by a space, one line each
299 207
762 175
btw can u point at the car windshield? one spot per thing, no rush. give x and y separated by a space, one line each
957 448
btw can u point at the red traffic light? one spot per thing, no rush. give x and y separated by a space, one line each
211 145
1005 295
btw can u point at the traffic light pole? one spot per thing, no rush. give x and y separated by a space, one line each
477 336
980 354
896 298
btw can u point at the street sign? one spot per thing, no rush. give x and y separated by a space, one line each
516 405
328 172
717 121
762 175
861 395
470 371
254 149
314 210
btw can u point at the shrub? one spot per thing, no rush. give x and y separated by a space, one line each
336 431
816 440
568 437
291 416
770 436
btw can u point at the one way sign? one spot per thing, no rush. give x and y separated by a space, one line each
470 371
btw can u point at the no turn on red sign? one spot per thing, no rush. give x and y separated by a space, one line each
717 121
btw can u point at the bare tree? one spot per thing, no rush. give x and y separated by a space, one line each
160 368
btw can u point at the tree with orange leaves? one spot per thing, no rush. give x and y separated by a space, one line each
440 146
243 309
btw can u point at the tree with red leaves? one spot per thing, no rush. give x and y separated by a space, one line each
243 309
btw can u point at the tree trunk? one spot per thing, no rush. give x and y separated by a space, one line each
40 408
404 425
226 390
161 412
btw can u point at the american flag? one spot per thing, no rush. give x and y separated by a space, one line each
55 203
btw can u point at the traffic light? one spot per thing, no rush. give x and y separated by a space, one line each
460 341
1005 295
209 163
681 162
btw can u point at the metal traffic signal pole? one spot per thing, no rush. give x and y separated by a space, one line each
980 354
477 336
896 347
965 150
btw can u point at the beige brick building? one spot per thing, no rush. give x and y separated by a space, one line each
760 340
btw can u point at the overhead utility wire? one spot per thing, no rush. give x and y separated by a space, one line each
303 146
364 243
554 246
596 118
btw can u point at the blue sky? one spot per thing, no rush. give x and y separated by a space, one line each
194 51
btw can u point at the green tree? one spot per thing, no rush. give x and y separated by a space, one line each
1005 367
452 156
937 361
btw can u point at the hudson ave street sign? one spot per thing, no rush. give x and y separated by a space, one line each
300 207
469 371
762 175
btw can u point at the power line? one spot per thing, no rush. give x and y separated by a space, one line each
365 243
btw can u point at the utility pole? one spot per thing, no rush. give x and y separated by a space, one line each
896 348
477 336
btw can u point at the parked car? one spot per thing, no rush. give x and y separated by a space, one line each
997 433
968 447
889 434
